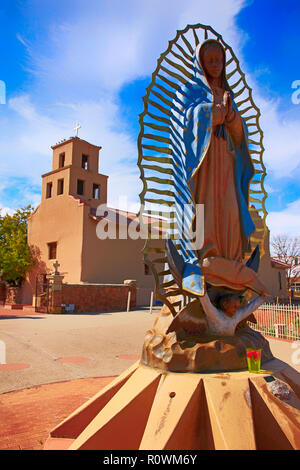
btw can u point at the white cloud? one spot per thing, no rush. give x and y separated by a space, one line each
27 136
6 210
103 125
282 147
79 66
285 221
22 41
34 133
99 48
123 191
220 15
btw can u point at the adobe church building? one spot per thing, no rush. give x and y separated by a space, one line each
64 227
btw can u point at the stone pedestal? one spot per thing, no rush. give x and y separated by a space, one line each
55 293
183 396
149 409
181 352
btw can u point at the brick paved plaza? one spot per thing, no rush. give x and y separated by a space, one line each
54 363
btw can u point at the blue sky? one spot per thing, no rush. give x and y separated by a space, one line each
90 61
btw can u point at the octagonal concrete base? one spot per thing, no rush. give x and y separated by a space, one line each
149 409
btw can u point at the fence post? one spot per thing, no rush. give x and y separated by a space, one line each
151 302
2 352
128 300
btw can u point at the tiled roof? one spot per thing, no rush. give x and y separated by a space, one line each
279 264
123 216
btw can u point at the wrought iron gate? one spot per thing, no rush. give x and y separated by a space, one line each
41 293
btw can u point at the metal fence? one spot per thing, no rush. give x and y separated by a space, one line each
277 320
280 321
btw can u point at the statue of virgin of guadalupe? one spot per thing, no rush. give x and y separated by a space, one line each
213 166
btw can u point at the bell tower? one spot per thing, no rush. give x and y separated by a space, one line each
75 165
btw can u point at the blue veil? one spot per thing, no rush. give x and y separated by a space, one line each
190 135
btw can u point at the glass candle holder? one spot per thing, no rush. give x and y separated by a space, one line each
253 359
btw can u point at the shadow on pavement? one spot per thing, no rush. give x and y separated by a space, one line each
10 317
137 309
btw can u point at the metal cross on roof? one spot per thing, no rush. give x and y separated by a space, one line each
76 128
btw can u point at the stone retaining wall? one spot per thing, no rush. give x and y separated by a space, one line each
92 297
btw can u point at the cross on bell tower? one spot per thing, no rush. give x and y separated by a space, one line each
76 128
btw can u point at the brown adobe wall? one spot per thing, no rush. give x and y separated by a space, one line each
93 297
2 292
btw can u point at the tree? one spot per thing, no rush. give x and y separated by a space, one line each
15 255
287 249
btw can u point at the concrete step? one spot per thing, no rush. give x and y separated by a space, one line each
29 308
25 307
14 306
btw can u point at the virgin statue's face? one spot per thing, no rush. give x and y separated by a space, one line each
212 61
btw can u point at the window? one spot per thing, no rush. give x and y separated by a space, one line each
84 162
80 187
49 190
52 250
279 280
60 186
96 191
61 162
